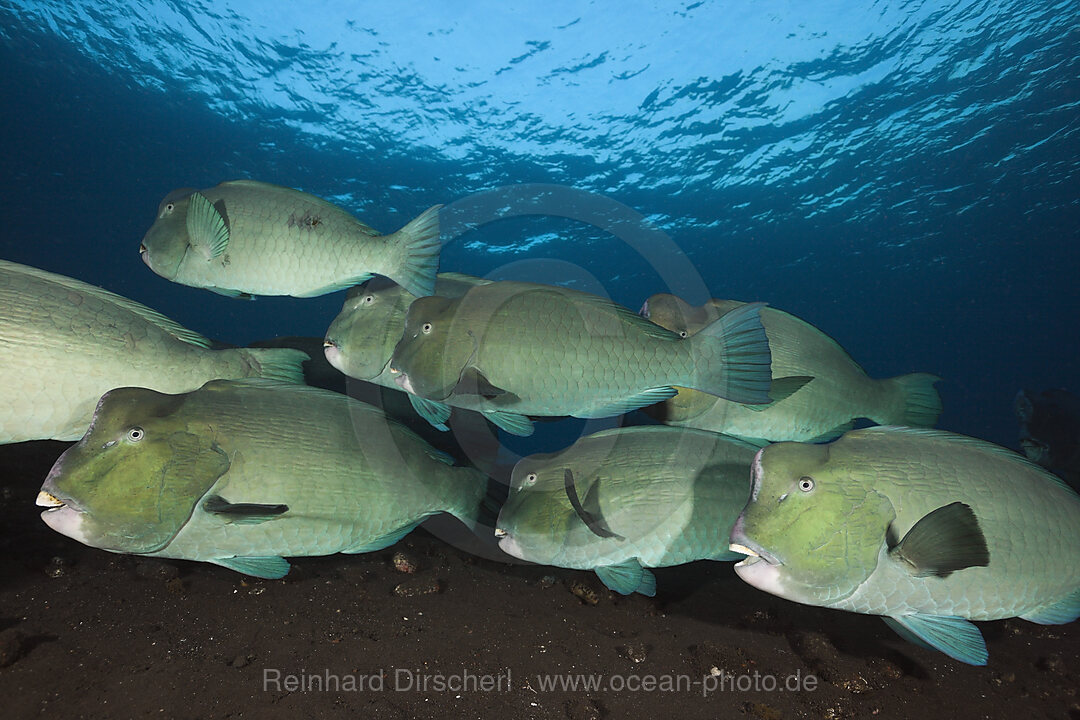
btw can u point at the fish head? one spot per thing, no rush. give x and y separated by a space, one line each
536 520
1050 428
434 350
361 339
669 312
133 480
812 531
166 242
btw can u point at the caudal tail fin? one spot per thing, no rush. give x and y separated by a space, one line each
420 239
732 357
473 506
921 402
284 364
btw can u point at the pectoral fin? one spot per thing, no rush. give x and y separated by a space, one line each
207 231
473 382
589 511
242 513
436 413
627 577
231 293
269 568
956 637
943 541
513 423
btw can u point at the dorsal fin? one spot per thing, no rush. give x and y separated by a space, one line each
153 317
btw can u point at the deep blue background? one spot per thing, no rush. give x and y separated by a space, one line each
954 255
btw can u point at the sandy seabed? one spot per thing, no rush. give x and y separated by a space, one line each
86 633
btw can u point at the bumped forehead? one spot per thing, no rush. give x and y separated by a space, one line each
127 406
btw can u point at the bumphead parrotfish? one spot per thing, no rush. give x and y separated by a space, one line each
926 528
245 237
64 343
523 349
246 473
818 390
623 500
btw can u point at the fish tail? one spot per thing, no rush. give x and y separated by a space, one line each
420 242
733 358
284 364
473 506
916 402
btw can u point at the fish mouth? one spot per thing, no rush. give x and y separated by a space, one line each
1033 449
402 381
754 553
63 516
55 503
50 501
500 533
333 354
509 545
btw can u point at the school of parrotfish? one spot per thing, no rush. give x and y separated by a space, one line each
226 455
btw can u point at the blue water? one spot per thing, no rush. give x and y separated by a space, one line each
904 175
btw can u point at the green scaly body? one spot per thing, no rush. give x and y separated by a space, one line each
1031 523
669 496
351 480
283 241
549 351
64 343
839 393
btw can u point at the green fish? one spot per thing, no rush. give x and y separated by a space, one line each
64 343
521 349
623 500
818 390
245 473
361 339
251 238
925 528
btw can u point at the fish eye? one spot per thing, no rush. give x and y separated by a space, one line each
170 207
136 434
530 479
806 483
425 328
368 299
682 333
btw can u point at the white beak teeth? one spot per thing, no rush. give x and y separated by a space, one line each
44 499
500 533
736 547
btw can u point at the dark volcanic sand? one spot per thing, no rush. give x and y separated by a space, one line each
86 633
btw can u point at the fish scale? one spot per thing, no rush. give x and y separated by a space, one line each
333 474
995 535
245 236
64 343
270 251
1004 512
560 352
839 393
669 495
